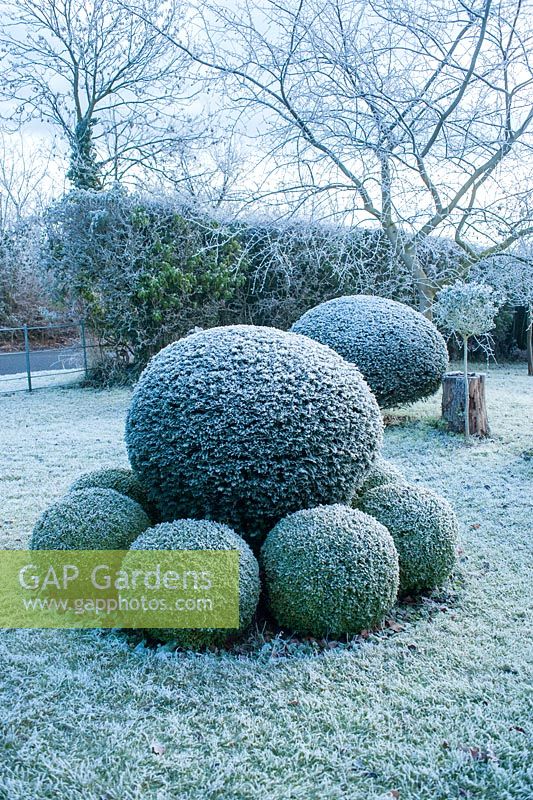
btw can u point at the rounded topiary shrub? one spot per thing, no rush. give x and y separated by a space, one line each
194 534
90 519
381 473
401 354
245 424
330 570
424 528
121 480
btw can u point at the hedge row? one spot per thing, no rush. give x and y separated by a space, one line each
144 272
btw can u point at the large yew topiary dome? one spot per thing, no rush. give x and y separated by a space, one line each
196 534
245 424
400 353
330 570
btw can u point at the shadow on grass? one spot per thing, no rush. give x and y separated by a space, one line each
266 641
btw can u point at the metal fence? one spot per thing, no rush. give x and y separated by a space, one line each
35 356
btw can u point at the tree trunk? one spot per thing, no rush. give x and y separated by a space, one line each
466 404
424 287
529 340
425 290
453 403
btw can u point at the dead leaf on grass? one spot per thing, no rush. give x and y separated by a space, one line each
394 626
483 754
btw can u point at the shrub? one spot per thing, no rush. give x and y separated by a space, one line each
381 473
90 519
193 534
244 425
123 481
25 292
293 266
330 570
141 270
424 528
401 354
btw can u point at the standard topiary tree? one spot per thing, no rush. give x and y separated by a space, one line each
400 353
381 473
330 570
424 528
90 519
194 534
245 424
467 309
121 480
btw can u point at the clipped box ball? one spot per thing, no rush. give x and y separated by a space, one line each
424 528
330 570
245 424
90 519
123 481
381 473
400 353
195 534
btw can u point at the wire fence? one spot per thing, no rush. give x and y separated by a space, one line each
36 356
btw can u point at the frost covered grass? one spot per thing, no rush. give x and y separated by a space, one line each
437 711
18 381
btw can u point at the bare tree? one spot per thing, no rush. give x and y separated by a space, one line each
24 192
413 115
25 172
108 81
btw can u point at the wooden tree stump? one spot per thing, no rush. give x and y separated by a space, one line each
453 403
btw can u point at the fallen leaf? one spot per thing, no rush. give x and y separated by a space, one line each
294 702
517 728
394 626
158 749
484 754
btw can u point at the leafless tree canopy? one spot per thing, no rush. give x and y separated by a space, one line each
108 80
413 115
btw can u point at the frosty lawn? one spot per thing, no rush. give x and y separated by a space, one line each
436 711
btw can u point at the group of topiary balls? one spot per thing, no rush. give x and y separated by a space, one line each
268 442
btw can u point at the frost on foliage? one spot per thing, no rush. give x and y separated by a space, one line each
90 519
245 424
193 534
121 480
466 309
381 473
424 528
330 570
401 354
510 274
